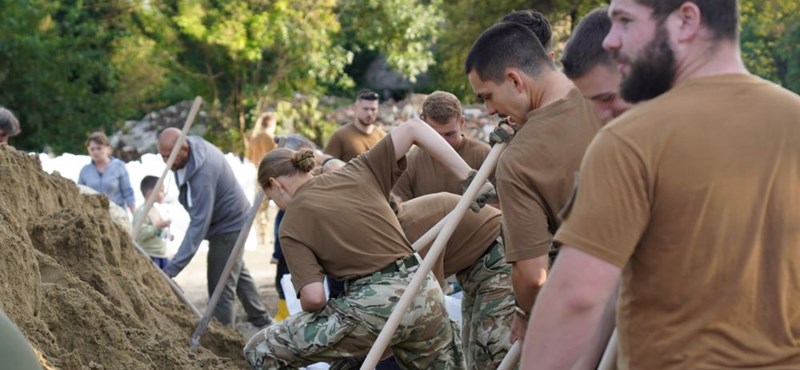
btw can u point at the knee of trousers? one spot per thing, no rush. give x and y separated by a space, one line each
259 353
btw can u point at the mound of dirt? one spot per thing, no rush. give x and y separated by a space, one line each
73 283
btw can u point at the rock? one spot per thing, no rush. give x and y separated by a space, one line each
140 137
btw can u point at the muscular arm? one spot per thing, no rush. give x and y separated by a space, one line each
312 297
597 346
568 310
417 132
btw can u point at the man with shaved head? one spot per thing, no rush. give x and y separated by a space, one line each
217 207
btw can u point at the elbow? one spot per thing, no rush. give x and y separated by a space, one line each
313 304
579 300
528 275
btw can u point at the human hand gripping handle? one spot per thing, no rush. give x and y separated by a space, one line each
486 193
502 133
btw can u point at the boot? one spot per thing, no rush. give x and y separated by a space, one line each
283 311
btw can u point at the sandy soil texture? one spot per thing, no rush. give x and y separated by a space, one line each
72 281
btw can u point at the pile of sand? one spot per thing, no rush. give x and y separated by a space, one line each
73 283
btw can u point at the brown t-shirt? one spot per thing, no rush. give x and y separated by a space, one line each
473 236
347 142
425 175
340 223
696 195
536 172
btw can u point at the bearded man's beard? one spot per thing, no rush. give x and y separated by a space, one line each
653 73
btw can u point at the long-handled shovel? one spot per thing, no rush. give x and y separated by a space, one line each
194 341
422 272
609 360
138 221
175 289
512 357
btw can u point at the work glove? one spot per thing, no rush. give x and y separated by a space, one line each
486 193
501 133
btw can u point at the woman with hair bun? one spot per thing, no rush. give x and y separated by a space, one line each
340 224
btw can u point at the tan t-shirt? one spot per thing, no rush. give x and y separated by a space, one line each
425 175
473 236
340 223
536 172
696 195
347 142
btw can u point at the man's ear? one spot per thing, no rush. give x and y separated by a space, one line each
461 121
514 76
689 19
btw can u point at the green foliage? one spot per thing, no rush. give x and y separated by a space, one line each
243 54
69 67
403 30
305 116
468 18
54 70
770 39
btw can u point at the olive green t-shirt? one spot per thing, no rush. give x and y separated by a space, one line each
347 142
340 224
471 238
536 172
696 196
425 175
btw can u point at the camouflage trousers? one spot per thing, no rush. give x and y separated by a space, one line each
348 326
487 309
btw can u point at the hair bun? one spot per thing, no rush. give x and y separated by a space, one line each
304 160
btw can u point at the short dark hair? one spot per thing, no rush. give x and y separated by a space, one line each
720 16
584 49
148 183
8 122
503 45
536 22
367 94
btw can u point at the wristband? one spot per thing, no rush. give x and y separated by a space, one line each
521 312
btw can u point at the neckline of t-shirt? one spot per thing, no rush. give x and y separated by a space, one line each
374 131
557 107
720 78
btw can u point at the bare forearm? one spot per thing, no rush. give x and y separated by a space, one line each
417 132
527 279
597 345
557 333
566 314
